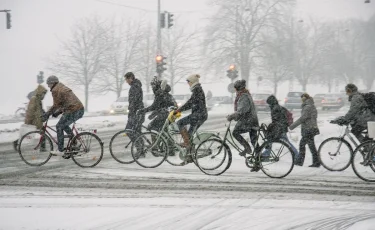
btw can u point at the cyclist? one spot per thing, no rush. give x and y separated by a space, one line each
246 116
197 104
309 129
67 103
35 111
135 103
358 115
159 107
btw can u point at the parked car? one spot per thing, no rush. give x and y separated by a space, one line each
120 106
216 101
260 101
332 101
318 99
293 100
181 99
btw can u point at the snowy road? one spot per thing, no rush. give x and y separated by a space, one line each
60 195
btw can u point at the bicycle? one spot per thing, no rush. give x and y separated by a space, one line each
79 147
363 161
164 147
21 111
268 157
335 153
120 142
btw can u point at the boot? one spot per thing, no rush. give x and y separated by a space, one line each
247 150
15 145
300 159
316 162
185 137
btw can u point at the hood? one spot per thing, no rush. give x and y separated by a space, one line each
309 101
272 100
40 90
136 83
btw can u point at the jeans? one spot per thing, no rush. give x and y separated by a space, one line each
63 125
284 137
194 122
135 123
238 130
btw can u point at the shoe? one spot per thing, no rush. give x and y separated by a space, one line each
15 145
57 153
255 169
66 155
246 151
315 165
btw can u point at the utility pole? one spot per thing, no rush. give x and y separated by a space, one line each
8 18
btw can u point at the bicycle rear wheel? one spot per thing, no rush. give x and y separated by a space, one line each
34 148
120 148
148 151
213 157
363 163
87 151
335 154
276 159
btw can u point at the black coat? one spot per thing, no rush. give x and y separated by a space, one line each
197 103
279 120
162 101
135 97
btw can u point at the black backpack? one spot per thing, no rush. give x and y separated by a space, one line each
370 100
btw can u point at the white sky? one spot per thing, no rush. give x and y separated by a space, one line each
37 26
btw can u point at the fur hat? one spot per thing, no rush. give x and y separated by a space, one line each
194 78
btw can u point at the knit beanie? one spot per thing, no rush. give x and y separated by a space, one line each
194 78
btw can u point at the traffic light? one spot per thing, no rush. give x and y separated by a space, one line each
170 20
40 77
160 64
9 20
162 20
232 73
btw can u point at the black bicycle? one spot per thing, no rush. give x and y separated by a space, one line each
274 157
120 144
363 161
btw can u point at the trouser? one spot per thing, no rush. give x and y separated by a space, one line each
284 137
194 122
63 125
308 140
238 130
357 132
135 123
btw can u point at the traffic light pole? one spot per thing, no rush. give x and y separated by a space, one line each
159 35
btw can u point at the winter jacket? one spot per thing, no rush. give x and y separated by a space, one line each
279 123
135 97
245 114
359 114
162 101
64 99
35 108
308 119
197 103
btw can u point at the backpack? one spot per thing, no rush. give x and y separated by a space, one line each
289 116
370 100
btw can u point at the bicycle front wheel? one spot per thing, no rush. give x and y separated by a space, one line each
276 159
335 154
120 148
363 162
87 150
149 151
34 148
213 157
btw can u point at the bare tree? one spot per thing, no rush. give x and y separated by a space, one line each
234 32
81 57
368 53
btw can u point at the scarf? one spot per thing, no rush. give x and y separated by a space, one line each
192 87
239 94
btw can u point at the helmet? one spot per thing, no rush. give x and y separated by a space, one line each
240 84
52 80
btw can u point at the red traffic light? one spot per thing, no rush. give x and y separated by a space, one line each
232 67
159 58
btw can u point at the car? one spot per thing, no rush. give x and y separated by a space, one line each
260 101
293 100
318 99
120 106
181 99
218 100
332 101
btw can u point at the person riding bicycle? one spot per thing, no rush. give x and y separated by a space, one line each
197 104
35 111
159 108
246 116
67 103
358 115
309 129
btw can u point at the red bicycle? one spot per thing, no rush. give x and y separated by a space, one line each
85 148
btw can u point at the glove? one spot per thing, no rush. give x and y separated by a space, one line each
230 117
45 117
56 113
